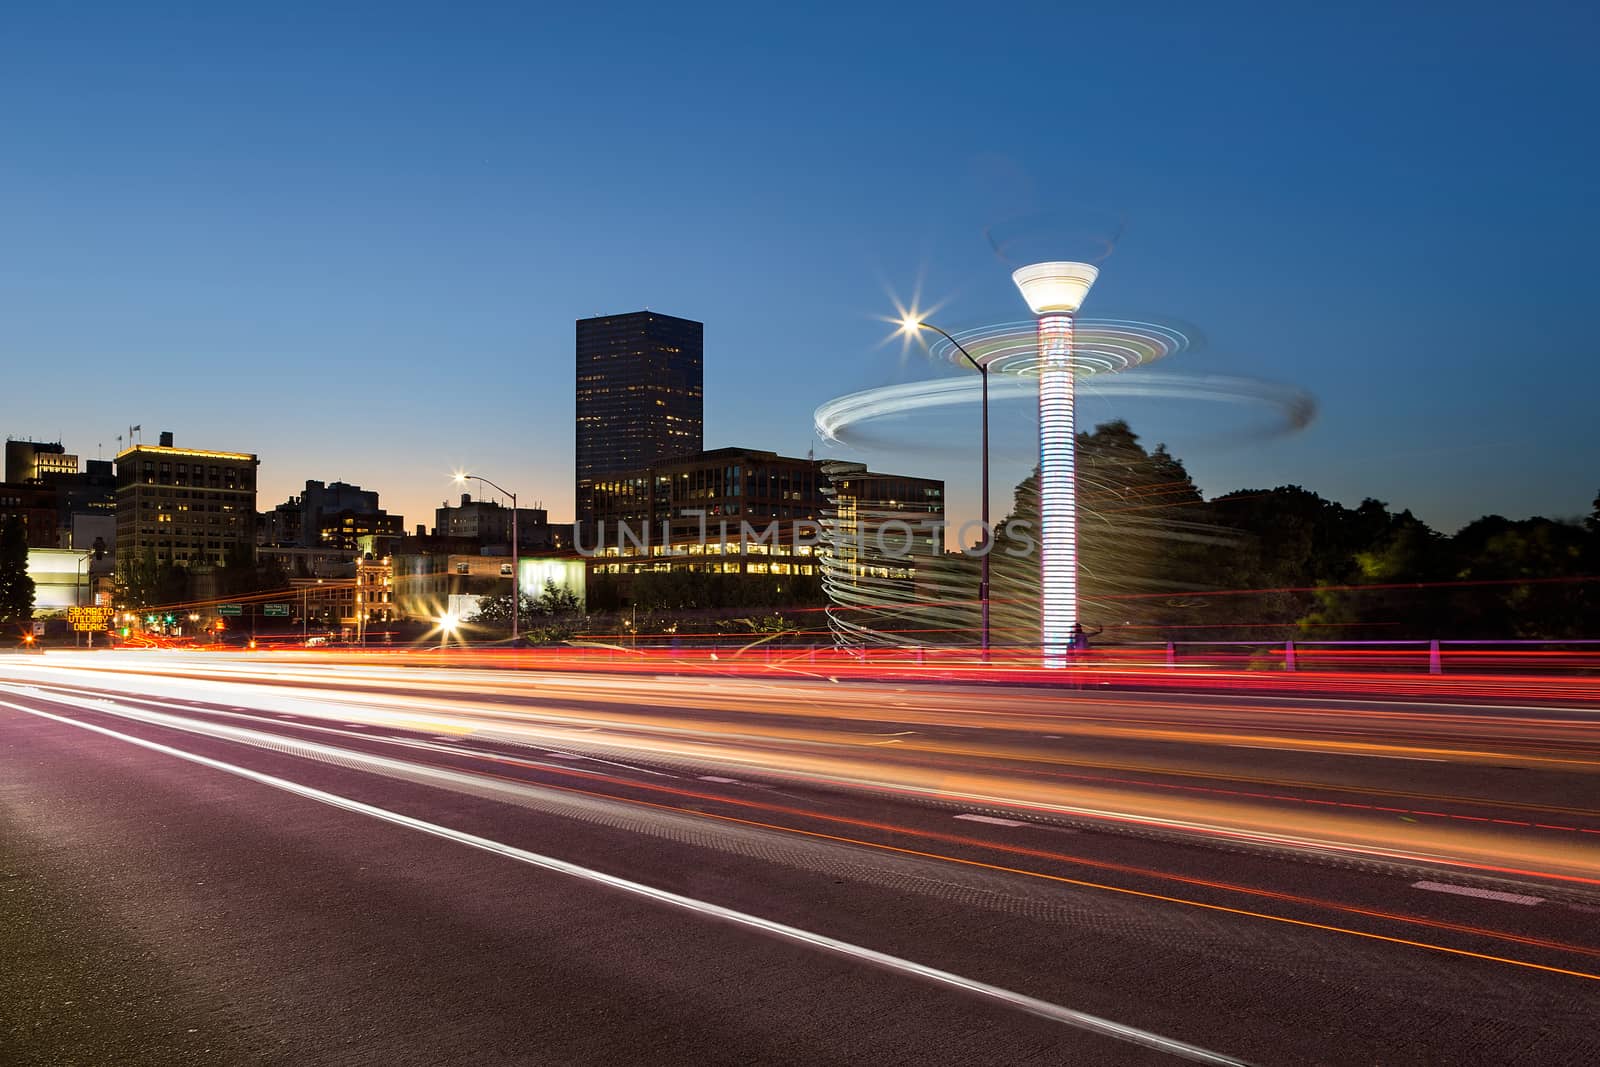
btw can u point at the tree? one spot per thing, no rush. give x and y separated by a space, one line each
242 573
551 615
1156 559
16 587
1557 556
1404 564
556 600
494 612
1146 543
148 582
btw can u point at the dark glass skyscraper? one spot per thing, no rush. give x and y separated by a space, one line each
640 395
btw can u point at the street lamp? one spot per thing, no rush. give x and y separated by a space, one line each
305 611
447 626
1054 292
910 325
516 579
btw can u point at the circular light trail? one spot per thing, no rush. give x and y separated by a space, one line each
869 608
1099 346
1291 408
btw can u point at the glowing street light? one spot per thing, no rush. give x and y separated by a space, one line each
909 324
448 622
1054 292
461 478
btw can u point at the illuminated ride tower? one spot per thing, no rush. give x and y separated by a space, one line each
1055 292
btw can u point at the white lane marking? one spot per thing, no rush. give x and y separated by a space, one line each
1032 1005
991 819
714 778
1474 891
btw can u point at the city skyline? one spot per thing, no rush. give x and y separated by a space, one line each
394 272
493 564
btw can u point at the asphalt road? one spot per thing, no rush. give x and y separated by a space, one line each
207 859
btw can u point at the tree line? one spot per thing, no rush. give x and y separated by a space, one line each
1159 560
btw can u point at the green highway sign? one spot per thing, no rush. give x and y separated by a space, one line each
280 610
229 609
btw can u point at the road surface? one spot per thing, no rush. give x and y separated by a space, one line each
273 859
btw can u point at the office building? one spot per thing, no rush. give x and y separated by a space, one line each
298 561
29 461
188 506
80 497
428 584
883 546
91 495
691 513
33 502
327 516
63 578
488 524
374 592
640 395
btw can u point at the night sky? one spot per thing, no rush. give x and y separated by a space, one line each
355 240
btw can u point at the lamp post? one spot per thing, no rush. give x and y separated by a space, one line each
361 606
911 325
305 611
516 579
1054 292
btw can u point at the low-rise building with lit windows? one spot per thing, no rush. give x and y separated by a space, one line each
734 511
33 503
374 601
189 506
883 538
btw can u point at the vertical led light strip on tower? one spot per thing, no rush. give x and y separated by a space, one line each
1055 291
1058 510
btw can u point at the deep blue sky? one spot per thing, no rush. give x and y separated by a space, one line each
354 237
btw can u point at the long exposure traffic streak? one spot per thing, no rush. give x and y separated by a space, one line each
1368 836
1186 765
